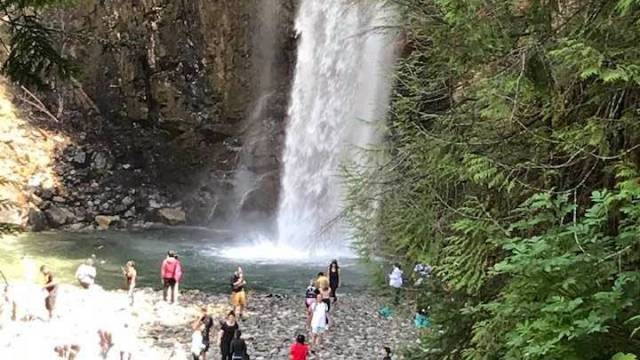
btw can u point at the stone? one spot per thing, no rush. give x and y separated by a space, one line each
58 216
99 161
58 199
36 220
80 157
128 201
105 221
153 204
10 215
172 216
130 213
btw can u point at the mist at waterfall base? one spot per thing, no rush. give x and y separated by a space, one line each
339 95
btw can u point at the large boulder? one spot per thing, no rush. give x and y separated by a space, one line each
58 216
37 220
172 216
10 215
105 221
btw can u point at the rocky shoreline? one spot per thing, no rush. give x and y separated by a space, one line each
162 330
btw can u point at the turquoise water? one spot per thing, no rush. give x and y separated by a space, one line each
201 251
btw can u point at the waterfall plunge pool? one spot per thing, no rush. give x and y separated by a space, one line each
209 258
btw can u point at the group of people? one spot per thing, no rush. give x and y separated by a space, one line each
320 296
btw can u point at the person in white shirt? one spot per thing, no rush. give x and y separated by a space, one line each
318 319
197 343
86 274
395 281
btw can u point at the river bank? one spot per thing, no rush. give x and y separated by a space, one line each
161 331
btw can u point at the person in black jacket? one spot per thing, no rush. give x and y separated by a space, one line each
238 347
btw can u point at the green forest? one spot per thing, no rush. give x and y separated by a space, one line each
512 167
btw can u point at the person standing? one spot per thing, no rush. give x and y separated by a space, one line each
309 298
206 320
86 274
318 320
322 281
334 278
325 294
51 287
387 353
395 281
238 295
197 345
130 274
170 272
299 350
225 335
238 347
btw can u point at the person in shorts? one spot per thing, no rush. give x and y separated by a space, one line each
238 295
318 320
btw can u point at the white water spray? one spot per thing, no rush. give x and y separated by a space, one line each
341 89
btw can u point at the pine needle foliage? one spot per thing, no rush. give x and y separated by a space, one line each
512 165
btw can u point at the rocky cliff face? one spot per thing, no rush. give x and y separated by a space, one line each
178 109
179 104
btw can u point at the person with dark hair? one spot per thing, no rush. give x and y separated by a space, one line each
51 286
322 281
170 272
227 331
238 347
387 353
310 297
299 349
334 278
207 323
238 295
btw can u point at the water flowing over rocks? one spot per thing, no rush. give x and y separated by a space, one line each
162 331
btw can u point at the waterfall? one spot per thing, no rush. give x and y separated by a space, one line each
341 88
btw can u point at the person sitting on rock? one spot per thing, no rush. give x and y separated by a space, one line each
86 274
299 350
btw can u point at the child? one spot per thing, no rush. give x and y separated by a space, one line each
318 320
197 345
299 350
387 352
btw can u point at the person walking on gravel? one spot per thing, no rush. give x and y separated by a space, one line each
318 320
206 321
396 281
225 336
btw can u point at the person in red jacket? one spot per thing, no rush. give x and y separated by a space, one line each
299 350
171 273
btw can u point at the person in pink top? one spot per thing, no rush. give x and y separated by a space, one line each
171 273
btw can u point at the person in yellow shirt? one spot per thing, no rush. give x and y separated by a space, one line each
322 281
